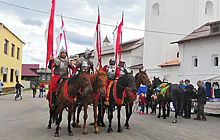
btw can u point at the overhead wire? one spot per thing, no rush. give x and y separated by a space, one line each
92 22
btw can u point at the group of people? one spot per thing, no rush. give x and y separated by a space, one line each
150 99
61 66
189 93
34 86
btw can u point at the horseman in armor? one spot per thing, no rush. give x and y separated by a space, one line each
61 65
111 69
87 55
122 67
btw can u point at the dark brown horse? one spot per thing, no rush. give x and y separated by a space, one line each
98 81
116 97
140 78
67 97
174 93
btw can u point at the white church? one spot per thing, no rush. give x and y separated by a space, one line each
181 39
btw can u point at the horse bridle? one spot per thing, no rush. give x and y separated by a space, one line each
84 85
97 81
128 83
144 81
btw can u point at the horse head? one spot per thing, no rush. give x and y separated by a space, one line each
156 82
101 81
143 78
85 82
130 81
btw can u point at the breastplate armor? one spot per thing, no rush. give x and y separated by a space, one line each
111 73
61 67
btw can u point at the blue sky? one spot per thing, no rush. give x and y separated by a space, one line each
29 26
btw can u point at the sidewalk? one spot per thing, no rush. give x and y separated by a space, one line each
6 93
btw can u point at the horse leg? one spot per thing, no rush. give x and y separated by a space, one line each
164 109
58 121
168 109
128 117
85 118
110 117
175 106
49 125
78 113
74 118
126 109
120 130
70 133
159 114
95 118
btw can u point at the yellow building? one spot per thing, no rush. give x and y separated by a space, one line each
10 57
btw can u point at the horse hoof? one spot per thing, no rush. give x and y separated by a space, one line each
78 125
56 135
158 116
73 124
127 126
103 125
70 133
168 116
120 130
85 133
110 130
91 124
97 132
48 127
164 117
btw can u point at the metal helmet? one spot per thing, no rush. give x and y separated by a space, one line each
62 50
112 61
87 53
84 65
122 61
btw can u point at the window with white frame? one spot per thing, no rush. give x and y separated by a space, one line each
209 8
155 9
195 61
215 60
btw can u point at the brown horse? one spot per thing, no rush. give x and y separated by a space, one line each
98 81
140 78
67 97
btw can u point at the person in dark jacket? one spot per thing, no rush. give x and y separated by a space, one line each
149 93
187 99
201 97
18 87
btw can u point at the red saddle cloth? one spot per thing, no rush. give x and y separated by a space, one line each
53 85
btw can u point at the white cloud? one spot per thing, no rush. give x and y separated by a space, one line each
29 26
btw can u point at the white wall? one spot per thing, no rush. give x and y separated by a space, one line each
26 84
204 49
177 18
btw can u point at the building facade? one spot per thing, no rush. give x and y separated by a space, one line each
199 53
171 20
10 57
132 53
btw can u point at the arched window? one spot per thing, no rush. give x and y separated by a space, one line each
195 62
209 8
155 9
215 62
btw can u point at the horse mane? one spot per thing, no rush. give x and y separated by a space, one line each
72 79
136 75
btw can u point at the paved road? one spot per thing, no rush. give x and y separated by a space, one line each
27 120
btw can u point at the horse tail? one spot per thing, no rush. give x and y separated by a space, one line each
53 114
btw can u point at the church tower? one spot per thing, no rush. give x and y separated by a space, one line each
167 21
105 42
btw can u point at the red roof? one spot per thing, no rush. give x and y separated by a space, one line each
171 63
27 69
